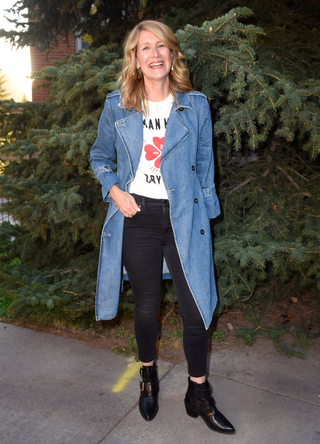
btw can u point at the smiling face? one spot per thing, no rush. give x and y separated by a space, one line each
153 57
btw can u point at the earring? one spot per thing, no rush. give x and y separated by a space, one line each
171 70
138 76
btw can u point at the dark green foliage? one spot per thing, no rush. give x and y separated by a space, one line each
267 141
292 46
217 334
128 350
270 197
301 338
52 193
291 26
43 23
250 101
5 303
102 22
270 222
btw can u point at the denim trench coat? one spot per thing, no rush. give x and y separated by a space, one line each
187 169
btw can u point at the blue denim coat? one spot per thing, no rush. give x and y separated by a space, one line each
187 169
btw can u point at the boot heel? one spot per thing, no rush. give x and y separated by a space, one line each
190 411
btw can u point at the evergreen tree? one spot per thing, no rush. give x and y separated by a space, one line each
53 195
43 22
292 46
267 142
3 92
269 197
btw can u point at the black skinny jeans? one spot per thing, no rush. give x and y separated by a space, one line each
147 238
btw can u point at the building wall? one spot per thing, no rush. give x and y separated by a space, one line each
38 61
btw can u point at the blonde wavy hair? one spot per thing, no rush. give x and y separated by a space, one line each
131 81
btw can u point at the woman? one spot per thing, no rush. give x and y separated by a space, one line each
161 199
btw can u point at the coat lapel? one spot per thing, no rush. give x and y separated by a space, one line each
130 130
177 129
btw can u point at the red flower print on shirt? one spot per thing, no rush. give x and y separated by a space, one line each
154 152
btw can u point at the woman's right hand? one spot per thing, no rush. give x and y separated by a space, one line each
124 201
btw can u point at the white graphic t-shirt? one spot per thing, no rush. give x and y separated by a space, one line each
148 180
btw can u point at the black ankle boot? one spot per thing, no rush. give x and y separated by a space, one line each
199 401
148 402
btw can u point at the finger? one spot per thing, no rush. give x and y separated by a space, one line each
128 213
135 206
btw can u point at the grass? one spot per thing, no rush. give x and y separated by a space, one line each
5 303
129 350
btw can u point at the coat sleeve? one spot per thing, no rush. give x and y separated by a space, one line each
103 154
205 162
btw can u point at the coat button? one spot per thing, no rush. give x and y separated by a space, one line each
202 231
180 109
196 201
193 168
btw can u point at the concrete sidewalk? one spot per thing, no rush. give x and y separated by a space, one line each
63 391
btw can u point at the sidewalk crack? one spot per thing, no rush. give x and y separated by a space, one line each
265 389
132 408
